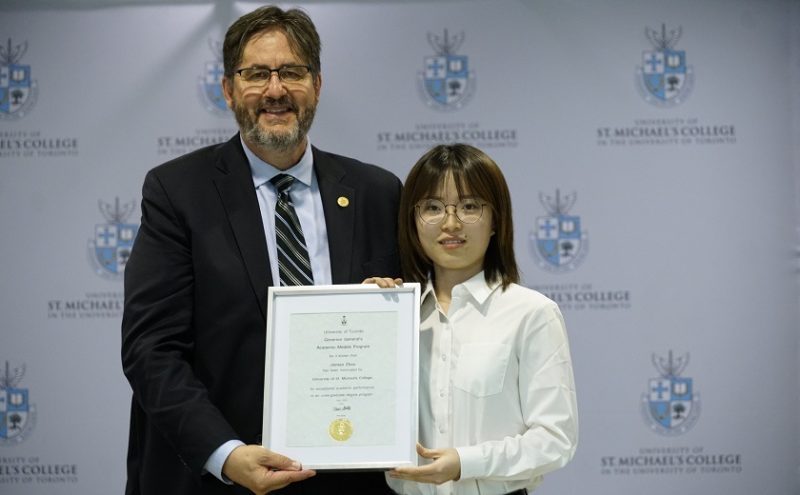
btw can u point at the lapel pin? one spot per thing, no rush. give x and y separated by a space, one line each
343 202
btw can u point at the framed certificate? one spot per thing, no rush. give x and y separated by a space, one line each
341 379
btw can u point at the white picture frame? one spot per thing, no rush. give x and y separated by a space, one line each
341 380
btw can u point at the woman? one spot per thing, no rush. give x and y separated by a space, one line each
497 394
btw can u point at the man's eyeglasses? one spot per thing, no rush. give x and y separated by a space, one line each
260 76
433 211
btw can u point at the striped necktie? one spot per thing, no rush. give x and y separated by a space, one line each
294 267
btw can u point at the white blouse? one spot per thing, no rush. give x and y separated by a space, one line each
496 383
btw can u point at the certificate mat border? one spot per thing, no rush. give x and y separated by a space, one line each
403 451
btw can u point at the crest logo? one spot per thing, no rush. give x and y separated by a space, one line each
446 83
209 85
664 78
111 247
17 89
670 406
558 241
17 414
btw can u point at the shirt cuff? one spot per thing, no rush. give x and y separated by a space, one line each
472 461
217 459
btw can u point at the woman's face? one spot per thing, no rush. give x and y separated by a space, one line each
456 248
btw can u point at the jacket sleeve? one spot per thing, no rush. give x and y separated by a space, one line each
157 333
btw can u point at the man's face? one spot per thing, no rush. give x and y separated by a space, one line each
275 115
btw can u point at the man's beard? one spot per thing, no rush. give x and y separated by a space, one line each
272 140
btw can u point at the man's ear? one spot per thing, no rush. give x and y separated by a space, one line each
318 85
227 91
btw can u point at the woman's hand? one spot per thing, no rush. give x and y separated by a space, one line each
446 466
384 282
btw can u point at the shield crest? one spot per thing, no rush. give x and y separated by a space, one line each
112 245
15 87
14 411
670 401
558 239
212 86
664 73
447 78
664 78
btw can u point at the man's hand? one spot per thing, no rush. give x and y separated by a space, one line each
261 471
445 467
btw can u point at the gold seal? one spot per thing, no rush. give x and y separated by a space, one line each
343 202
341 429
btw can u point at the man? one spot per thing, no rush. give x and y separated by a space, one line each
193 330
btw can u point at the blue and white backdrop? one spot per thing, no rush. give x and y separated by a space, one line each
653 157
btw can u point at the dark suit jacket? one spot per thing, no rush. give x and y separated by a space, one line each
193 329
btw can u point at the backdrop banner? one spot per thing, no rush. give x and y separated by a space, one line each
652 153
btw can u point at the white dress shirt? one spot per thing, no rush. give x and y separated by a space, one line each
307 203
496 383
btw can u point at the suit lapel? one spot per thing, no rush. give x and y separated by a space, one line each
235 187
339 204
